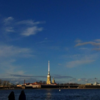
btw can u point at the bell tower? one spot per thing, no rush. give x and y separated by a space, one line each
48 76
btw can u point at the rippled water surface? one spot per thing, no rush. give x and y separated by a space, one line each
54 94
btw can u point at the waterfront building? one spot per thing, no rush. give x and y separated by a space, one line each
48 76
96 83
88 84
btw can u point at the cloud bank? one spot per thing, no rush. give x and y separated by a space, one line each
23 28
9 55
95 44
31 31
76 63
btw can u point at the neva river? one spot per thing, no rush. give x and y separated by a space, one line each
54 94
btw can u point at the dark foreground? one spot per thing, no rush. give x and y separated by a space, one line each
54 94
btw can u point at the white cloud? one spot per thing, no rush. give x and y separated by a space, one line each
29 22
23 28
9 29
78 62
8 25
85 43
84 48
78 41
31 31
82 80
98 40
95 44
90 42
6 51
8 20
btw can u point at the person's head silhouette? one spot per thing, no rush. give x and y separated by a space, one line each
22 96
11 96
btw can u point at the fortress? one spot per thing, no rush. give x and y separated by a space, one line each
49 84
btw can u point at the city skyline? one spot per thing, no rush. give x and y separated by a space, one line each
65 32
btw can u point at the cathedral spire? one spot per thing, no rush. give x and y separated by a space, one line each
48 76
48 67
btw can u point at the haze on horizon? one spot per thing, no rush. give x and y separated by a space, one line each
66 32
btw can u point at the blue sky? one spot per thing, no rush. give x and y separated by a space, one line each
66 32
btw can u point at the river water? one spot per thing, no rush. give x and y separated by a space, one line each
54 94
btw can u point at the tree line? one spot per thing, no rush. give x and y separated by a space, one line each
4 83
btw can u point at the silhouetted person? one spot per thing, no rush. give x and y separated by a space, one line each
11 96
22 96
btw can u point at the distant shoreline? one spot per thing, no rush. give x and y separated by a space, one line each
46 88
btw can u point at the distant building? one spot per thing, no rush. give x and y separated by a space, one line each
19 85
88 84
33 85
96 83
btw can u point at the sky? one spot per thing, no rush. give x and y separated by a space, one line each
65 32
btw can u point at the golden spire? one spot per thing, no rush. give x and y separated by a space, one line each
48 76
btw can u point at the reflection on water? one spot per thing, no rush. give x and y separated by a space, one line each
54 94
48 94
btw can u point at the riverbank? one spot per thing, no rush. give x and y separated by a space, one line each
44 88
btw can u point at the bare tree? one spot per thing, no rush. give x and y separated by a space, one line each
4 83
0 82
44 82
7 83
40 82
